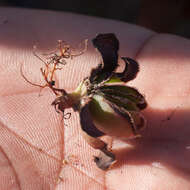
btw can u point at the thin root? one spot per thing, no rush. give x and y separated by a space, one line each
22 74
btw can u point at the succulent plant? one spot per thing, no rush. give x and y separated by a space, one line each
105 104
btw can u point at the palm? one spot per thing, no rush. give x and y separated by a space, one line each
34 140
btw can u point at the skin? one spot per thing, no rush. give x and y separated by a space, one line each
33 137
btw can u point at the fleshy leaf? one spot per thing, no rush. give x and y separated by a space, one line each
105 159
124 96
87 123
122 102
113 79
130 71
137 121
108 46
107 118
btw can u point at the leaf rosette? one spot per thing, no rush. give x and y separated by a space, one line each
105 104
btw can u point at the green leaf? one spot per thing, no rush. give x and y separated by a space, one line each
109 118
113 79
124 96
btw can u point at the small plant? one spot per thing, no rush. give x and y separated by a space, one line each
105 104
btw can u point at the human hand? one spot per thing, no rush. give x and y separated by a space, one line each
34 140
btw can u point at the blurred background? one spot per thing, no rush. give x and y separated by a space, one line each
168 16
